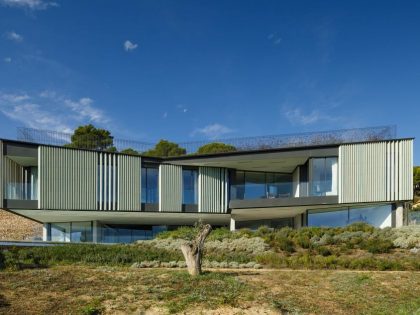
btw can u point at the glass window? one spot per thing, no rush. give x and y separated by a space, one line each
81 232
378 216
254 185
190 189
60 232
149 185
331 218
324 176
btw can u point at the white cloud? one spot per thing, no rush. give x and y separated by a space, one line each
182 108
49 110
213 131
84 110
165 115
13 36
129 46
29 4
298 117
7 59
274 38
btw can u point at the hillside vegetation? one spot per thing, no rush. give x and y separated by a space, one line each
358 246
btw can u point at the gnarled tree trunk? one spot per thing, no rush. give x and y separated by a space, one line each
193 250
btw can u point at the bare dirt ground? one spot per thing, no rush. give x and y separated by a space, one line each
86 290
17 228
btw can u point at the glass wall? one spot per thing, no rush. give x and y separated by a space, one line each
190 186
112 233
323 176
77 232
259 185
59 232
25 187
150 185
378 216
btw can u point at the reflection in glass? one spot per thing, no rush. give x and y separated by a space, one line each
378 216
149 185
332 218
81 232
60 232
190 186
323 176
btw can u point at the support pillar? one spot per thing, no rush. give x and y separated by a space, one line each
399 215
45 232
297 221
232 224
96 232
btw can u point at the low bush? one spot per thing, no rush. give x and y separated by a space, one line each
377 245
282 243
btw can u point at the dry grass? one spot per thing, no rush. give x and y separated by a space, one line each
84 290
14 227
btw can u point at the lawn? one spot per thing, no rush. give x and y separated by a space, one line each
120 290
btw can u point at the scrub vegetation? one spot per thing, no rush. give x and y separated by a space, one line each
358 247
109 279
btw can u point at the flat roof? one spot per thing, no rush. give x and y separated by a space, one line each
209 155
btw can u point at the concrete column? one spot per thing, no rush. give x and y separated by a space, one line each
298 221
45 232
399 215
232 224
96 232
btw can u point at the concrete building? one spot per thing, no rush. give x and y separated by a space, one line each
93 196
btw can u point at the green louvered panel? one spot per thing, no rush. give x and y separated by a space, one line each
67 179
212 190
380 171
170 188
129 183
2 179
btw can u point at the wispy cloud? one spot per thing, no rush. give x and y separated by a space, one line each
29 4
298 117
165 115
13 36
274 38
7 59
85 110
129 46
49 110
213 131
182 108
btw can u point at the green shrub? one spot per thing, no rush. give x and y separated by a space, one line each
283 243
377 245
302 241
324 251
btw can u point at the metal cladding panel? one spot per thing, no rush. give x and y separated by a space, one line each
67 179
129 183
2 179
170 188
212 190
380 171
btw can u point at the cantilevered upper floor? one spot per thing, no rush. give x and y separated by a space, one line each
45 177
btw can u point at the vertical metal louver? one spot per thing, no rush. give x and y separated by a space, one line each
378 171
212 190
129 183
107 181
170 188
67 179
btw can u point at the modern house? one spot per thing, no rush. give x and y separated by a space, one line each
93 196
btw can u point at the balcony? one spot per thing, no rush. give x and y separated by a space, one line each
250 189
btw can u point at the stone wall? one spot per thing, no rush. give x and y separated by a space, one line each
14 227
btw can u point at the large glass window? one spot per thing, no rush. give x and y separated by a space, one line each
323 176
150 185
190 186
81 232
379 216
258 185
59 232
129 233
328 218
255 185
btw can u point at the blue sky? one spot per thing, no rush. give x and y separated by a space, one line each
193 70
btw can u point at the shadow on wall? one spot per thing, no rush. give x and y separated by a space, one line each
14 227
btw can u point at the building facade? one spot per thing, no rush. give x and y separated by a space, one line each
91 196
